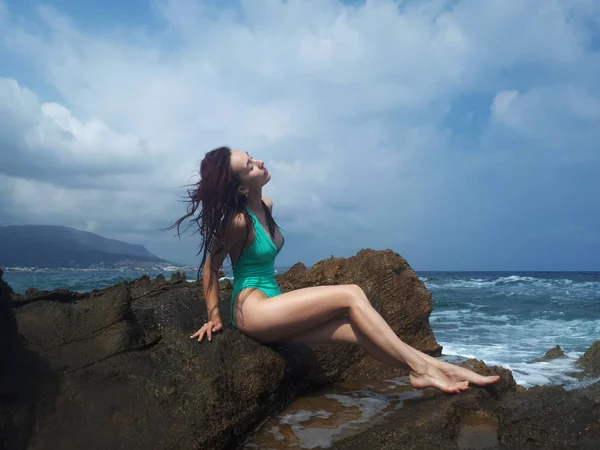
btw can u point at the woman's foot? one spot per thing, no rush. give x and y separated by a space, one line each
457 373
431 376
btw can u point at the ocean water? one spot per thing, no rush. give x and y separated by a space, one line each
508 319
502 318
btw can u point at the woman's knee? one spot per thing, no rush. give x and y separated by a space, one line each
357 295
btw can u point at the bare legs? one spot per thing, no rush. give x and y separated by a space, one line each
311 314
342 331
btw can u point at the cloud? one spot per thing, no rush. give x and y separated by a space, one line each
355 110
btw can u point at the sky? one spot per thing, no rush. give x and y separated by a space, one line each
463 135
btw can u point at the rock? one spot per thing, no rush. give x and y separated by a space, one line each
393 288
84 330
13 396
177 276
440 421
501 417
130 377
225 284
24 379
590 361
506 382
554 353
549 417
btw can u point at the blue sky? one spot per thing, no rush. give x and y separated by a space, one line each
461 134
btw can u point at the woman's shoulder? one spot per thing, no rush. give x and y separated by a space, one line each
267 201
237 222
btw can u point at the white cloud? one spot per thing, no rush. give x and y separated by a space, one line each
348 106
502 102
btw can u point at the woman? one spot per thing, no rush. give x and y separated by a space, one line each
235 220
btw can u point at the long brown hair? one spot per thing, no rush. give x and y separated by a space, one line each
216 199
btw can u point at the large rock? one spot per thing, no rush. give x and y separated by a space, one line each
590 361
13 395
502 416
25 379
130 377
393 288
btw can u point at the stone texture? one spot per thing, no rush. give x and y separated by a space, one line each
503 416
554 353
130 377
393 288
590 361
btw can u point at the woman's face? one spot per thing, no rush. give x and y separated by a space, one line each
252 172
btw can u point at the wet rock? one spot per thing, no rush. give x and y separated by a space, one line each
439 421
501 416
130 377
590 361
554 353
549 417
395 291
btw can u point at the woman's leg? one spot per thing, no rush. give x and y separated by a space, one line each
282 316
341 330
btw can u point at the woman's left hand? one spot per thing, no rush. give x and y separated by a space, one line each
210 327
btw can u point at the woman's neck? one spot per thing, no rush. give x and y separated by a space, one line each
254 201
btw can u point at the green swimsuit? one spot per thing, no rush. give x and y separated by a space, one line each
256 267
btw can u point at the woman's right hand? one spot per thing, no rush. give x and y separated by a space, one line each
210 327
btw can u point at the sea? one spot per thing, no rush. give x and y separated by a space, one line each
502 318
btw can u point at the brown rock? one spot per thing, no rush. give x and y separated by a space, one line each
131 377
24 379
590 361
13 395
549 417
541 417
393 288
503 416
554 353
440 421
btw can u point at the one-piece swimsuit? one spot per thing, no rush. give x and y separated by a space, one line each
256 267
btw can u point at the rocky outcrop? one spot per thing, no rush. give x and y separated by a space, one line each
115 368
393 288
590 361
13 396
554 353
25 379
124 358
503 417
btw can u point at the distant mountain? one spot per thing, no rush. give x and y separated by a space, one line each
55 246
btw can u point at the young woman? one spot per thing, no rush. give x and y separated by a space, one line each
235 220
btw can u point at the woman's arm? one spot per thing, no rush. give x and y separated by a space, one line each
210 281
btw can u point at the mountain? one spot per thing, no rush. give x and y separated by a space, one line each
56 246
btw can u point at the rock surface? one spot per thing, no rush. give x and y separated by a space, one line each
501 417
115 368
554 353
130 377
590 361
393 288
